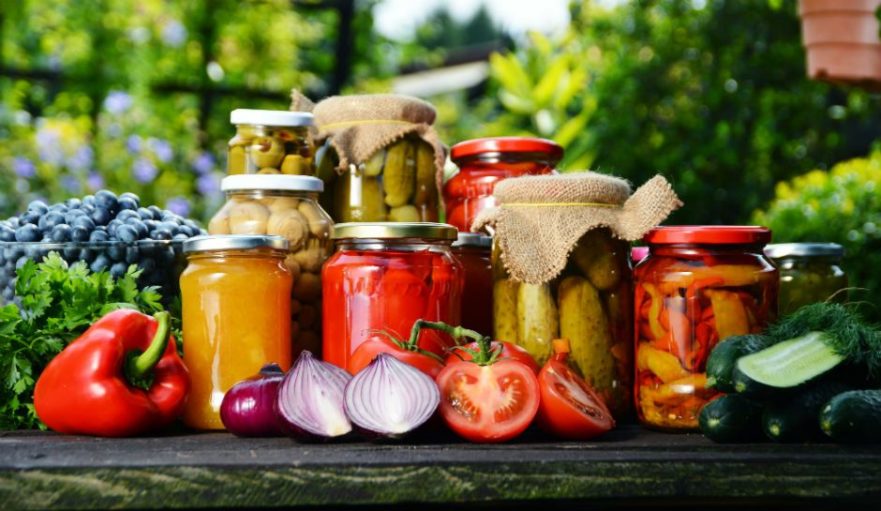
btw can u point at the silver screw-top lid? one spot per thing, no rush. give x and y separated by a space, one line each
473 239
234 242
784 250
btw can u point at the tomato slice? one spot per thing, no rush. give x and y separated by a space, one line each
377 344
491 403
509 351
569 407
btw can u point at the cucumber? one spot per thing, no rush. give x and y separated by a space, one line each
795 419
723 359
731 418
745 385
790 363
853 417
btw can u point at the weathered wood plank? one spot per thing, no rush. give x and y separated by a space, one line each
218 470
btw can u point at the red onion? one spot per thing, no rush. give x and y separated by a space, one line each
310 399
390 398
247 408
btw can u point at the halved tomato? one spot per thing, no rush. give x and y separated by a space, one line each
489 403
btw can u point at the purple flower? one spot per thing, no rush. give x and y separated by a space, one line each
95 181
49 146
174 33
144 171
208 184
178 205
204 163
117 102
24 167
71 184
161 148
81 159
133 144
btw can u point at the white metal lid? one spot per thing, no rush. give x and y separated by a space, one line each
281 182
270 117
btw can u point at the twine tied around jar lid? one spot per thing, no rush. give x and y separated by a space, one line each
360 125
539 219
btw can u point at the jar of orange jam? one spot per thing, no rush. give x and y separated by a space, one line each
236 294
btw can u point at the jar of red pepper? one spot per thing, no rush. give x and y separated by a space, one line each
473 252
383 277
485 161
698 286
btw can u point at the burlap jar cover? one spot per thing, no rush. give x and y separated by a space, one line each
360 125
539 219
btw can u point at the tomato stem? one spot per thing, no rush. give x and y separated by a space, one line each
483 356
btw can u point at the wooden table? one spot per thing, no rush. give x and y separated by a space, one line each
630 467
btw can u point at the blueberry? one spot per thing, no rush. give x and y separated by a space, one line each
79 233
145 214
140 227
131 254
101 216
126 214
85 222
12 253
127 233
73 214
58 207
169 226
30 217
89 200
38 207
35 252
4 274
180 237
27 232
99 236
107 200
14 222
9 293
73 203
61 233
20 262
127 204
7 233
148 265
131 196
71 254
118 270
157 212
161 234
116 252
87 208
100 263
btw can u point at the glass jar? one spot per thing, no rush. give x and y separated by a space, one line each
589 303
485 161
698 286
473 252
236 304
285 206
270 142
809 273
383 277
396 184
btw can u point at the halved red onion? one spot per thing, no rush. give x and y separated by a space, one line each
310 399
390 398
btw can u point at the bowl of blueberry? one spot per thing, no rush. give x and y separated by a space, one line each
107 231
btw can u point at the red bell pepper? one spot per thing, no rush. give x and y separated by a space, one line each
90 387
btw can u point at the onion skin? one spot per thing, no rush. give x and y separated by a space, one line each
390 398
309 404
248 408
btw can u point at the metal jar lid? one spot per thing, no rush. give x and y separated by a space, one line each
784 250
234 242
271 182
394 230
280 118
473 239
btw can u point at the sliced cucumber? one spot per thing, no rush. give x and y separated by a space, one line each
790 363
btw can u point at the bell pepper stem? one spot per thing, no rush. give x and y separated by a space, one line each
141 365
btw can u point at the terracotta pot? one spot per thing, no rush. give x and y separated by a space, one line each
842 40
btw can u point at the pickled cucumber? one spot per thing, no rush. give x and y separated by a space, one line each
596 256
373 166
399 178
584 323
537 320
358 199
426 189
505 310
404 214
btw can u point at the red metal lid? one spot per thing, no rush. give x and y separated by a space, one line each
506 145
709 235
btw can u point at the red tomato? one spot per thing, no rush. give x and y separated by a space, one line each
509 351
569 407
491 403
377 344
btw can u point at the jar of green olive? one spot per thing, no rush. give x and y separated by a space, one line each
809 273
270 142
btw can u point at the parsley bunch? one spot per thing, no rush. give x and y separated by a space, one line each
56 303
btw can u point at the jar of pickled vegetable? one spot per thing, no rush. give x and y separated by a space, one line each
285 206
473 252
698 286
809 273
270 142
485 161
383 277
236 305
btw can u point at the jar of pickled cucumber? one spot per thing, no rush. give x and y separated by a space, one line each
561 269
270 142
382 159
285 206
698 286
473 252
809 273
485 161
